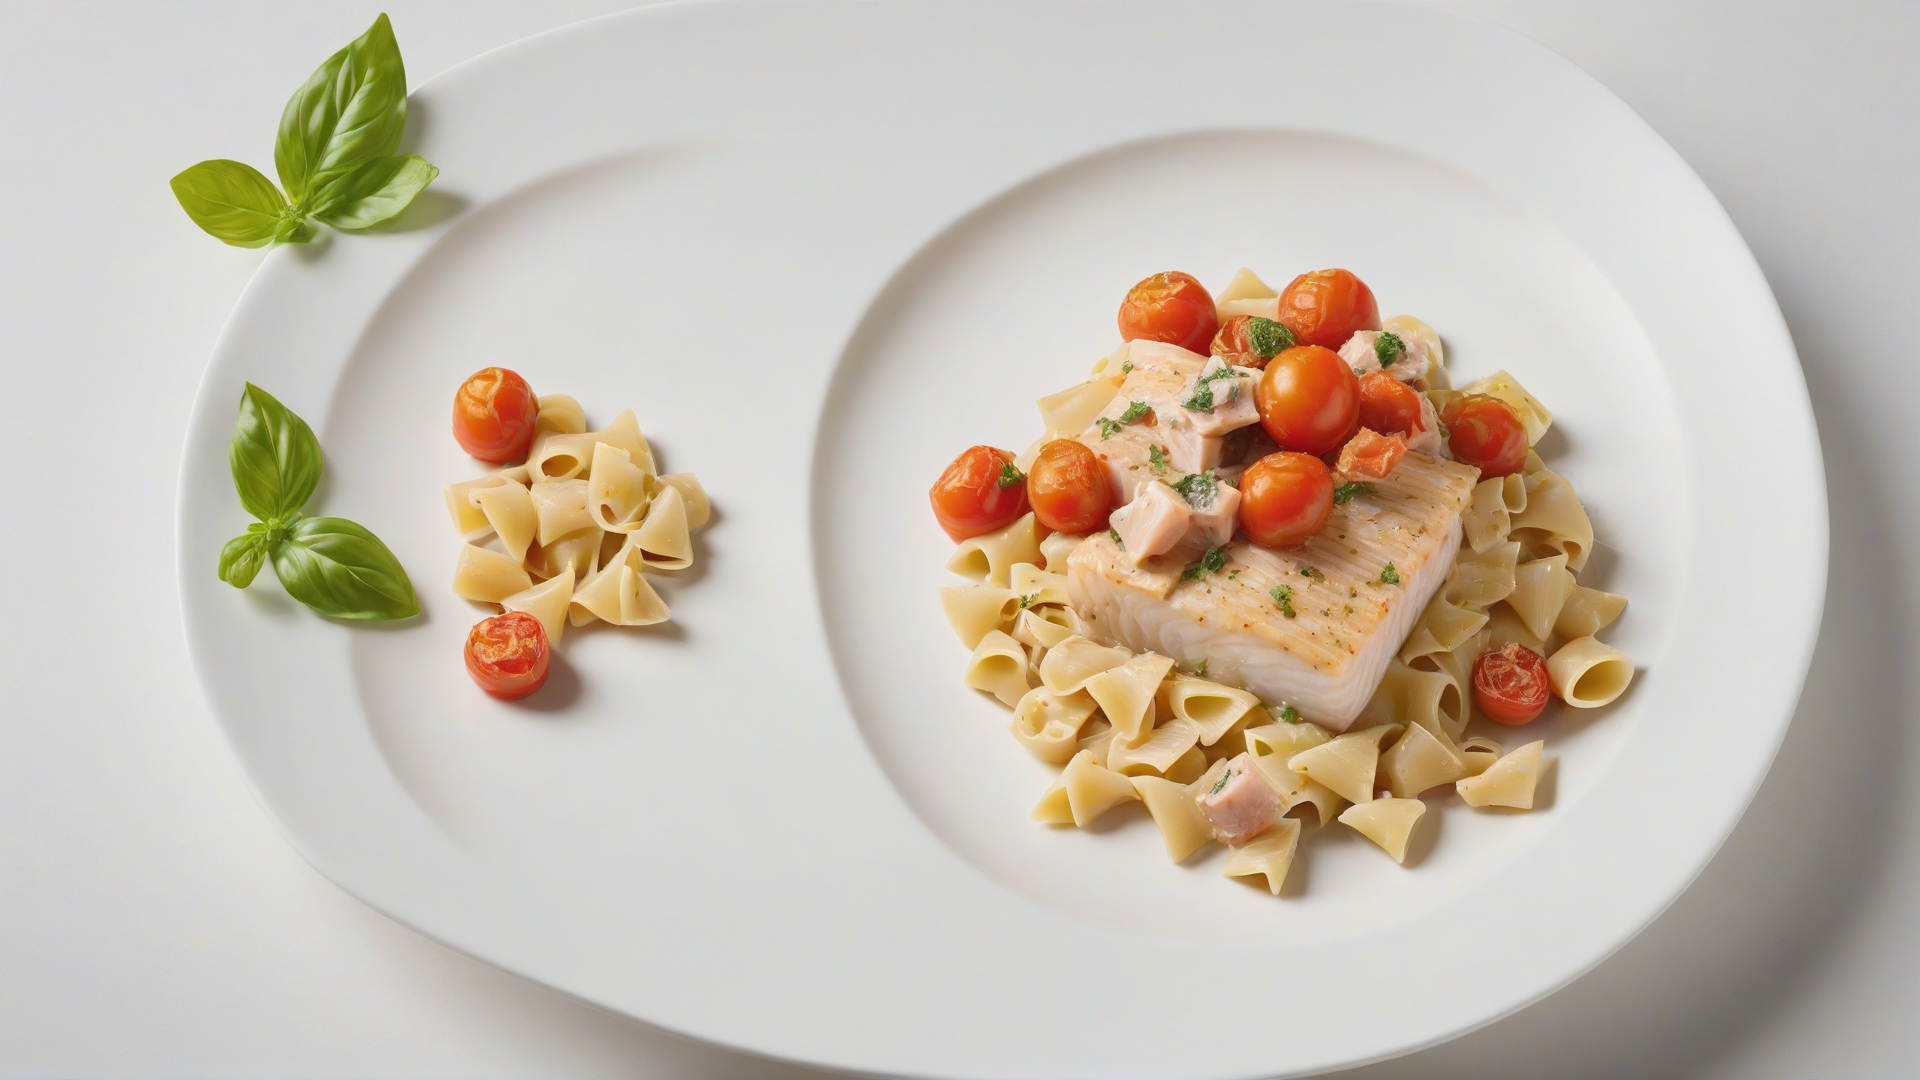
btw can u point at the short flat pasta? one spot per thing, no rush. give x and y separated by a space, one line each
1268 856
617 490
1070 411
546 601
973 610
467 516
1554 521
1389 823
509 509
1587 612
1183 829
1048 724
999 666
1533 415
1540 589
1126 692
1155 752
1085 790
1588 673
663 539
1214 707
699 508
1347 764
990 557
488 576
1508 782
1069 665
561 508
1037 586
1419 761
561 414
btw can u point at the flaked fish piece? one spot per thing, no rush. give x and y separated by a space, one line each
1152 524
1409 362
1220 400
1355 589
1236 800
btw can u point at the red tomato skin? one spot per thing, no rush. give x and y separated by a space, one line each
1172 307
1326 307
1483 431
1285 498
969 499
495 415
1231 344
1309 400
1510 684
507 655
1069 488
1388 405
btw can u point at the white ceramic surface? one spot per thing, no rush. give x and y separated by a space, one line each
820 247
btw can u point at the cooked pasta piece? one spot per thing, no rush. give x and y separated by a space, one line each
1387 822
1485 579
561 506
618 593
663 540
1346 765
1183 829
1540 589
1267 307
1154 751
1071 663
1432 696
1587 612
1068 412
1215 708
990 557
1038 632
1056 549
1126 692
466 514
1246 285
1189 768
1284 740
699 509
560 413
487 576
1588 673
1486 520
1504 625
999 666
1442 627
555 456
1479 753
1085 790
973 610
1269 855
1296 790
1420 760
1037 586
509 509
1048 724
1554 521
1095 736
617 490
576 553
1509 782
547 602
624 433
1533 415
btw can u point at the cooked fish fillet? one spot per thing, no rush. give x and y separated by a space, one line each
1347 624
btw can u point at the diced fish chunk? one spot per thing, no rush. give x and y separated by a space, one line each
1220 399
1236 800
1153 523
1213 508
1362 355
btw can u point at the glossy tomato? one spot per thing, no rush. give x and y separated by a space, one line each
1388 405
1308 399
980 492
494 416
1510 683
1250 341
1484 432
1170 307
1285 498
1069 488
507 655
1327 306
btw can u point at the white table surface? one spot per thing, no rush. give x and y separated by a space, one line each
152 923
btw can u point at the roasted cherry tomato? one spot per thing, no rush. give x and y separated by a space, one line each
1484 432
980 492
1170 307
1249 341
1069 488
1285 498
1327 306
1308 400
1388 405
1510 683
507 655
493 416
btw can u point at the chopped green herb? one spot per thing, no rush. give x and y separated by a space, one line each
1267 337
1388 347
1290 715
1214 561
1115 534
1108 427
1157 456
1346 492
1200 669
1312 572
1389 576
1202 397
1135 410
1225 775
1200 489
1283 595
1009 475
1029 600
1126 366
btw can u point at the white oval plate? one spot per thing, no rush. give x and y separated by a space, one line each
820 248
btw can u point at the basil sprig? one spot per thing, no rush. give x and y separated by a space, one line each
336 155
330 564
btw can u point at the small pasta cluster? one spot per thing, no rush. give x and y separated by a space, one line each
1208 761
569 536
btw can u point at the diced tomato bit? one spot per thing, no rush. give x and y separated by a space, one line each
1371 454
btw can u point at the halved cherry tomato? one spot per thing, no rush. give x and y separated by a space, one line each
980 492
1371 454
1484 432
1285 498
1510 683
1308 399
1170 307
1244 343
507 655
493 416
1069 488
1388 405
1325 307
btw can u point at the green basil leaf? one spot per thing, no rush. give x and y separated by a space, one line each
352 109
374 192
340 569
233 202
243 557
274 456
